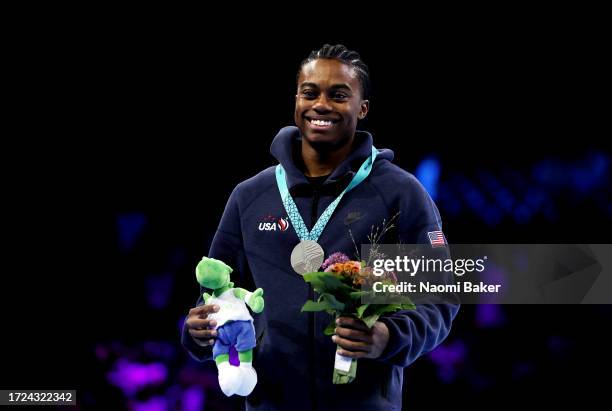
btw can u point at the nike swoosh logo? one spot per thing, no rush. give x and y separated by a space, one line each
352 216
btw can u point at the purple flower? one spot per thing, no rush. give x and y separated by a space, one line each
333 259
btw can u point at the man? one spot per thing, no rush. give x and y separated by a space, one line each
294 359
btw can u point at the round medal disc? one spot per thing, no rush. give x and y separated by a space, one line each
307 256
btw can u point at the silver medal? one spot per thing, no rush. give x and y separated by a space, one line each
307 256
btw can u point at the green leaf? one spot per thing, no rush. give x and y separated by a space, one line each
323 282
332 301
399 299
335 284
314 279
409 306
374 309
377 310
361 309
370 320
331 327
312 306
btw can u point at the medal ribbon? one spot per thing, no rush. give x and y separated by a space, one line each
292 210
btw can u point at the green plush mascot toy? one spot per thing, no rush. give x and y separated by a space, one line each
234 325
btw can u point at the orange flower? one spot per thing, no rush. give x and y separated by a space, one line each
350 270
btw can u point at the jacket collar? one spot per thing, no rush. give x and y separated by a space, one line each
286 148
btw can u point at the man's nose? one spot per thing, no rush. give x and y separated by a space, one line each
322 104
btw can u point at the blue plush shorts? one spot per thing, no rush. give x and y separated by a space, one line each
240 334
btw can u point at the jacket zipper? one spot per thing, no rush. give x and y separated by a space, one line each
311 326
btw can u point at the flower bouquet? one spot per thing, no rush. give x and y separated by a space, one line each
340 294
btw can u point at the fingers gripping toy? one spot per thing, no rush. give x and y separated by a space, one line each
234 325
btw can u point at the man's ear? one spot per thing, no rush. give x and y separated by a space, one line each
365 107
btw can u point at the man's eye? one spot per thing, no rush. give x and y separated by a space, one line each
309 94
340 96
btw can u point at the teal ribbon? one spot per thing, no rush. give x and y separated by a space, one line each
292 210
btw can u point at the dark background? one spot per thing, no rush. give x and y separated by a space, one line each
119 173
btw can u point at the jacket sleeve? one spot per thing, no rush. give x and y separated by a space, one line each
413 333
227 246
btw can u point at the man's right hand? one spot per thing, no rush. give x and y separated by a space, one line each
200 327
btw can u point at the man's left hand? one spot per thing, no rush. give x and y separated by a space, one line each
356 340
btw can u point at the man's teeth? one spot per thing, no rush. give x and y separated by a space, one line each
321 122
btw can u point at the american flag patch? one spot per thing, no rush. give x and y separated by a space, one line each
436 238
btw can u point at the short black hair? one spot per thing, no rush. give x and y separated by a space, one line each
341 53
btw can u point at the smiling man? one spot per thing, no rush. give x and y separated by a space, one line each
319 160
329 102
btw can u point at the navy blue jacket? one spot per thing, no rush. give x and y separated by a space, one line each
294 359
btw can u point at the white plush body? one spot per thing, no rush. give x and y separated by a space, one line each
230 308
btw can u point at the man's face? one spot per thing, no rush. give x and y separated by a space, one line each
328 102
